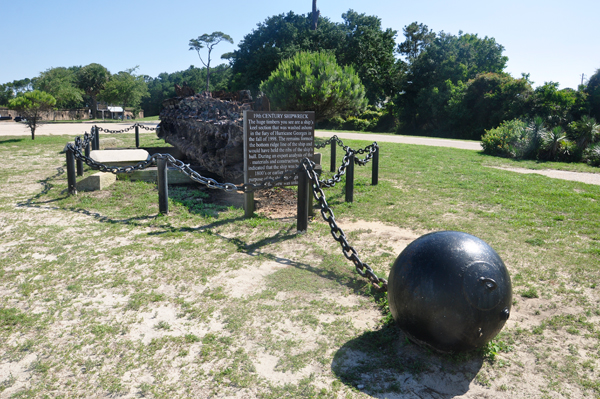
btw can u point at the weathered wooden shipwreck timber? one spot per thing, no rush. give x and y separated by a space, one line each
209 130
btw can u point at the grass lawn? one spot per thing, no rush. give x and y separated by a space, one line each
100 296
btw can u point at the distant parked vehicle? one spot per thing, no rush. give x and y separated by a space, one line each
19 119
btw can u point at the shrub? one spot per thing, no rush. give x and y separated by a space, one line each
584 131
510 139
592 155
315 82
358 124
551 143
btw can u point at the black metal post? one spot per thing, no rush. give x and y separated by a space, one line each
248 204
87 149
97 138
94 138
137 136
79 167
302 214
163 186
350 179
375 170
332 165
71 178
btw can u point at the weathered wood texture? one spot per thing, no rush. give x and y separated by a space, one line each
208 131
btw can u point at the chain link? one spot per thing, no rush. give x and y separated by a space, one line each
371 149
306 166
100 129
337 233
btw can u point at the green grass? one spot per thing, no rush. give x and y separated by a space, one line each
102 296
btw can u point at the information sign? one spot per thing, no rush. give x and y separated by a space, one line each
275 142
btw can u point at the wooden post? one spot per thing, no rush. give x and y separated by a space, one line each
163 186
302 214
350 179
137 136
71 178
375 170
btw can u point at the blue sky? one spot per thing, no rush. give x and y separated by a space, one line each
551 40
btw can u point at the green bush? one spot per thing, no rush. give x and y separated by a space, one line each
357 124
315 82
551 143
510 139
592 155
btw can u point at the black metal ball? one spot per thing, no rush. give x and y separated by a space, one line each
449 291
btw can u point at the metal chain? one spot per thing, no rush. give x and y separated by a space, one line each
337 233
341 171
195 176
145 127
105 168
306 166
124 130
370 149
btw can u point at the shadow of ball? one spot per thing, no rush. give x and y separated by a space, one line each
449 291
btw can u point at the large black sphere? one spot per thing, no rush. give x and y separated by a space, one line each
449 291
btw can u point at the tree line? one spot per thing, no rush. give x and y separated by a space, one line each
80 86
436 84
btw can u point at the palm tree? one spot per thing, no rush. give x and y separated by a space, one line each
586 132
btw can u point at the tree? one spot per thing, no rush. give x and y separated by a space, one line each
163 86
61 83
208 41
436 66
92 80
371 51
6 93
358 41
30 105
126 89
485 102
593 91
557 107
279 37
418 36
315 82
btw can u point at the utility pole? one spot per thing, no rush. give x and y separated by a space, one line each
315 15
582 76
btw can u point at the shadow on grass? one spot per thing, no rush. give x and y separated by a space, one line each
9 141
385 364
196 201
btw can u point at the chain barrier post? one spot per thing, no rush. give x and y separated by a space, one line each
94 134
375 170
137 136
79 167
87 149
248 204
163 186
350 178
71 178
302 212
332 165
